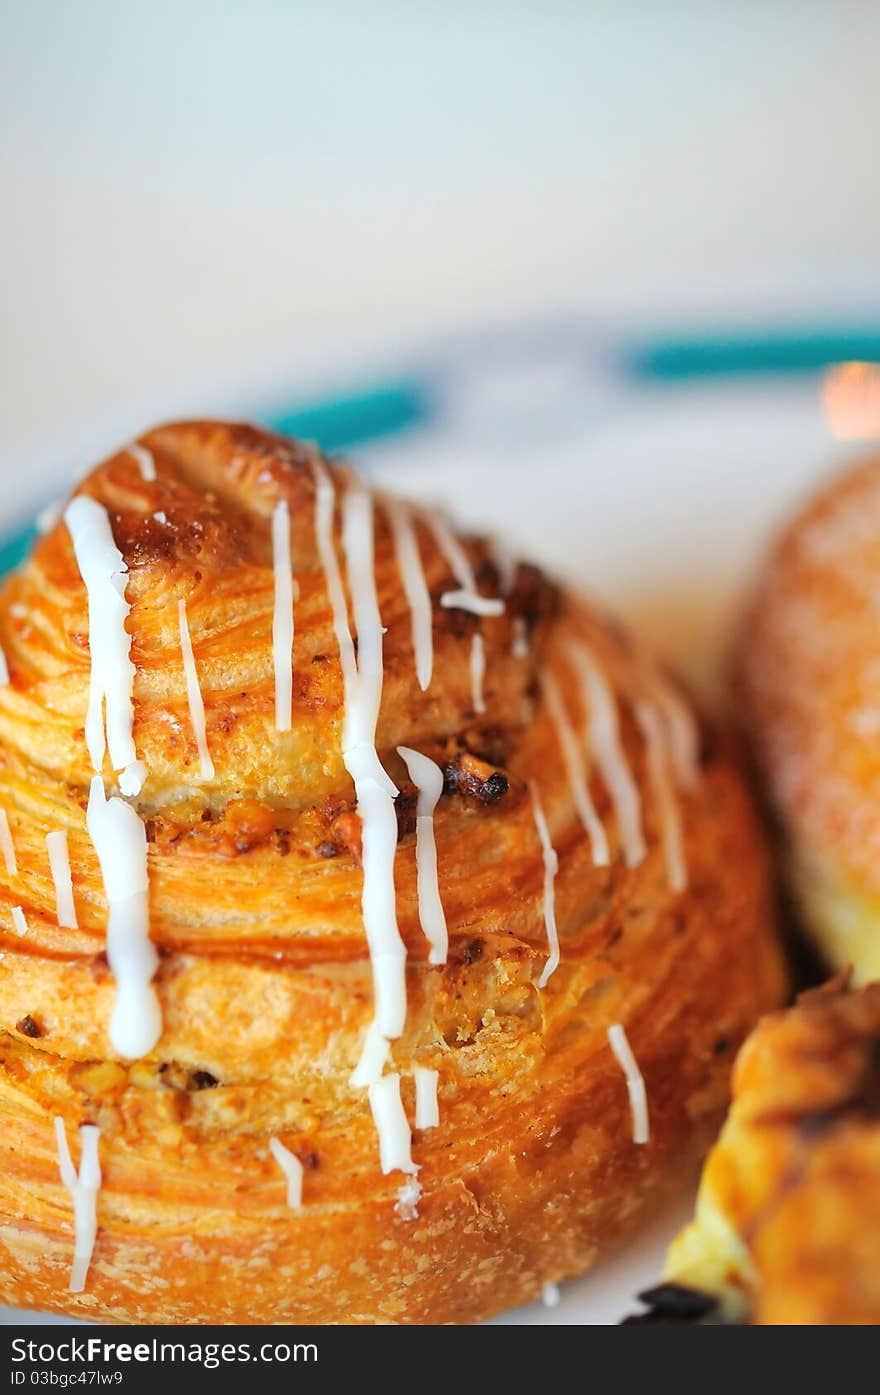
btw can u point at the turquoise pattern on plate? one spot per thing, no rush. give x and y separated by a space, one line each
387 409
341 423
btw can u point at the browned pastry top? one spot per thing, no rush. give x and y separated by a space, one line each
255 883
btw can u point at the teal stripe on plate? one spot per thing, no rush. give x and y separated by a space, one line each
345 422
383 410
340 423
754 353
14 550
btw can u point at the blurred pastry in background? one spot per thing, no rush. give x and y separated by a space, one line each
808 671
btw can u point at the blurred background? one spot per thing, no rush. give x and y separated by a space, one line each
581 271
601 275
187 185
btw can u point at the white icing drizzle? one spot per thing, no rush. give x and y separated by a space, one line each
374 1056
604 741
7 847
408 1198
4 670
292 1168
59 866
427 1106
427 776
635 1082
131 779
103 571
115 829
325 503
375 791
83 1187
662 788
576 769
18 920
391 1125
682 729
550 1295
194 695
378 902
144 459
478 672
471 601
507 566
282 618
365 693
551 867
465 597
415 588
519 644
120 842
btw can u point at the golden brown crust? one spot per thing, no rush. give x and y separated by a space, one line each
255 884
789 1210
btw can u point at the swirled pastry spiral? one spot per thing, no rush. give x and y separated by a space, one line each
810 685
787 1228
389 963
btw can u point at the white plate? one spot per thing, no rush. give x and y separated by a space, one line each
656 500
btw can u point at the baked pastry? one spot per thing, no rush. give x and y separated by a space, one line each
809 679
383 994
787 1228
